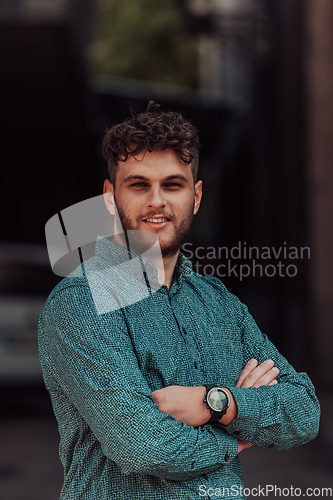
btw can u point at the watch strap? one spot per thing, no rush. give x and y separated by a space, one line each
216 417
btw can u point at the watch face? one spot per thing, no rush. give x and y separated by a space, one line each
217 399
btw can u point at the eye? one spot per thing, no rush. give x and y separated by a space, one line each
172 185
139 184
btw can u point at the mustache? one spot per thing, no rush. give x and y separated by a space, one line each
151 214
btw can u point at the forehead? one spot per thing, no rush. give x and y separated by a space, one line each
153 165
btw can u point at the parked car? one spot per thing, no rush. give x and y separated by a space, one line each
26 279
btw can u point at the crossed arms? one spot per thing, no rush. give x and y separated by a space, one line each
90 361
186 405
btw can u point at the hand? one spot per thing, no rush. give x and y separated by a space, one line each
242 445
185 404
253 375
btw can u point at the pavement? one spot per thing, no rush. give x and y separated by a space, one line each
30 468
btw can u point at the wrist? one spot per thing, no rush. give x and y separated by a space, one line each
205 411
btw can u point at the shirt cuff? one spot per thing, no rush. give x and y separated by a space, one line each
249 406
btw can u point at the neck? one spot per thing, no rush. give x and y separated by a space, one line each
169 264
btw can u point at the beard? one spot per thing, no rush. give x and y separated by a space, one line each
181 236
148 237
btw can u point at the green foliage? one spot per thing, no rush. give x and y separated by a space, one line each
145 39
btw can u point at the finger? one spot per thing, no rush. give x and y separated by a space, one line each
250 365
267 378
157 396
242 445
256 374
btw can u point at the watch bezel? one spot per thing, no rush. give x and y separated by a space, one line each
210 405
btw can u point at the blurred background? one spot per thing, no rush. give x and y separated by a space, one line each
256 78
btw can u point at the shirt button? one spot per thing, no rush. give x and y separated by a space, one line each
226 458
195 364
205 476
184 331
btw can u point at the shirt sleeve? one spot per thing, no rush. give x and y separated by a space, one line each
91 357
279 416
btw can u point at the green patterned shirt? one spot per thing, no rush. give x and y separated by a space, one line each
101 369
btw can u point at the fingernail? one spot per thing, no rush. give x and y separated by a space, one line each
252 361
275 369
269 361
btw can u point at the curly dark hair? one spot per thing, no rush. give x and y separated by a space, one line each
152 130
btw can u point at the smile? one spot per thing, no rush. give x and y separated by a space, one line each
157 220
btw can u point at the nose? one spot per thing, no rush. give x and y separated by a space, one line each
156 198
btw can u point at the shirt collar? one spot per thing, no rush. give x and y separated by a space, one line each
111 254
183 266
116 254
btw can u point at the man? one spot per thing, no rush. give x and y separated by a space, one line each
156 399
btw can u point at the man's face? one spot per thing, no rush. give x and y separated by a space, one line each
155 192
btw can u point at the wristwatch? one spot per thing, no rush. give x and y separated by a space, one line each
217 401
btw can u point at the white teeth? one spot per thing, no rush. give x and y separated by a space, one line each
156 220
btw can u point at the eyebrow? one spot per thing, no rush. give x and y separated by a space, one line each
143 178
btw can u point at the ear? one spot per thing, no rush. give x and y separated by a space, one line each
197 196
108 191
